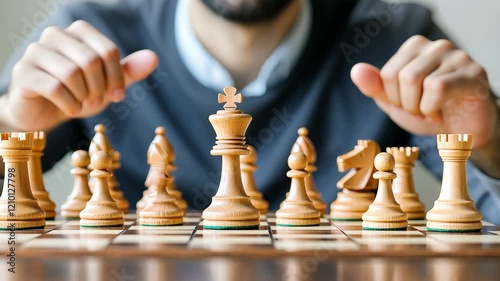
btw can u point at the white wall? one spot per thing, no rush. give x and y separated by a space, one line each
473 24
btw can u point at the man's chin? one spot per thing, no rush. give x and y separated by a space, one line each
247 11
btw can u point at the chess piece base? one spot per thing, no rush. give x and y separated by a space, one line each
219 224
315 197
454 216
297 222
47 205
231 212
121 202
393 225
22 224
73 206
101 223
454 227
161 221
101 214
260 204
411 205
350 205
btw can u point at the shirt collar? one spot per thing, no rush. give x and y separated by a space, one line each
212 74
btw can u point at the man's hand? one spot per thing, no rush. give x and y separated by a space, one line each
69 73
430 87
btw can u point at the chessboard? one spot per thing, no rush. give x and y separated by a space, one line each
334 243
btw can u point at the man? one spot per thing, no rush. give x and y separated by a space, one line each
290 58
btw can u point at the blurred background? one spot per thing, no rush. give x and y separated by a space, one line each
471 24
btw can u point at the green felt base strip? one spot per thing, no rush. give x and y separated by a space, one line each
452 230
230 227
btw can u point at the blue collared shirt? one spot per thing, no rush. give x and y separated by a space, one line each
210 73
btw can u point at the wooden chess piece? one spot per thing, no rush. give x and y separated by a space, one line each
101 210
172 188
18 207
36 176
358 184
81 194
171 167
297 209
384 213
305 145
231 207
403 185
160 209
248 168
100 142
454 210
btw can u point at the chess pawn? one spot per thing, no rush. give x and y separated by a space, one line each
101 210
297 209
305 145
100 142
454 211
160 208
403 185
231 207
81 192
18 207
248 168
384 213
36 176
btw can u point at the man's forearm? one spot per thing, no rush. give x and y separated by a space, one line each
487 158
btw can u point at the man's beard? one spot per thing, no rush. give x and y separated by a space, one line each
247 11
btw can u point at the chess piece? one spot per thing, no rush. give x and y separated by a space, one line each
403 185
36 176
248 167
81 192
160 208
172 188
100 142
18 207
384 213
358 184
297 209
454 211
171 167
101 210
305 145
231 207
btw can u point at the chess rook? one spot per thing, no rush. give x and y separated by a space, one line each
305 145
358 184
384 213
297 209
101 210
18 207
36 175
454 211
80 194
403 185
248 168
231 207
